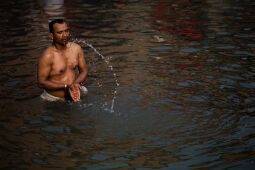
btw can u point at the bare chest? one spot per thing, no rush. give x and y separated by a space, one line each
63 62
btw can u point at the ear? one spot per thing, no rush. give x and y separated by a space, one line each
51 36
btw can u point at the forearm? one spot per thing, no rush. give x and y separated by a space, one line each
81 77
49 85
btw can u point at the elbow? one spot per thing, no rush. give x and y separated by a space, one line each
40 84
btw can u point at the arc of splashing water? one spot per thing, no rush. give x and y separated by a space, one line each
111 68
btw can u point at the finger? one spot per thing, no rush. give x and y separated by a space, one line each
75 94
73 87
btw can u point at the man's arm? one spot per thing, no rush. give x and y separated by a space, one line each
74 89
43 72
82 66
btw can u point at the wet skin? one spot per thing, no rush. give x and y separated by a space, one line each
58 64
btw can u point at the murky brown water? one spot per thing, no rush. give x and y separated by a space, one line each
186 90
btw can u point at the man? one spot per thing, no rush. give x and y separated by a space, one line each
58 65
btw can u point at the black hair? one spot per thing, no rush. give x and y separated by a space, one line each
59 21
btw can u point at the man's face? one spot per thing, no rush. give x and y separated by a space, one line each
61 33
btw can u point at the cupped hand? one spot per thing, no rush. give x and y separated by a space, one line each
74 91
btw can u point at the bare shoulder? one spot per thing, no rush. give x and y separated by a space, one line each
76 46
47 55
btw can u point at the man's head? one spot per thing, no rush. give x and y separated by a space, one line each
59 31
51 24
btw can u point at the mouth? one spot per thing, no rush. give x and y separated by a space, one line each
65 40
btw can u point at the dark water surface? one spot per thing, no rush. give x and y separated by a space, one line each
178 91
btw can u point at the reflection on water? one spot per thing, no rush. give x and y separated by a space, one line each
185 73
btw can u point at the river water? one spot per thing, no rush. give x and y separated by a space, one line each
177 92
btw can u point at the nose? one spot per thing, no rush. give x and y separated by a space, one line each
65 34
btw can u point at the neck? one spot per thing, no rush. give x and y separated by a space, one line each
60 46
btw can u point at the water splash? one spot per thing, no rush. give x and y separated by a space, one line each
106 59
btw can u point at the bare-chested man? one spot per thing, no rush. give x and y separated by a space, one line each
57 66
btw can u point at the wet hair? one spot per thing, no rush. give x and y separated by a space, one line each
59 21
